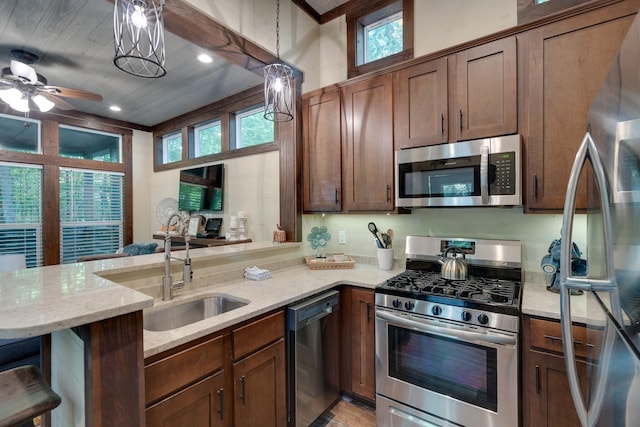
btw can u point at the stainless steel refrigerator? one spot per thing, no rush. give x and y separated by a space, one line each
606 386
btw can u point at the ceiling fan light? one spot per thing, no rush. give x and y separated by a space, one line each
21 104
10 95
43 103
24 71
138 36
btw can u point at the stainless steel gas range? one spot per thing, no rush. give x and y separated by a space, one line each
447 350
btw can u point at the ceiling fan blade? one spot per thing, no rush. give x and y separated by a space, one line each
24 71
72 93
60 103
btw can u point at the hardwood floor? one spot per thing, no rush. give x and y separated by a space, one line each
347 413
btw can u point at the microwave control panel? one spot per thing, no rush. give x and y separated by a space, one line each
502 170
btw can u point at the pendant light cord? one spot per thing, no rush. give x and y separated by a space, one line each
278 29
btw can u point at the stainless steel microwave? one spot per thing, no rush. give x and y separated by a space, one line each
482 172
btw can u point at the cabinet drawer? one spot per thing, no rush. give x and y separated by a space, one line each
258 334
547 335
178 370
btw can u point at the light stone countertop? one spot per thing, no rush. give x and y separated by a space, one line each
283 288
538 301
38 301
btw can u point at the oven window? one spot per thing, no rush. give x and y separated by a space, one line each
464 371
458 182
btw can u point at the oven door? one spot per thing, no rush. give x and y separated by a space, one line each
452 372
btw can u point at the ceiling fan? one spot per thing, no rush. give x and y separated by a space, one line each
20 85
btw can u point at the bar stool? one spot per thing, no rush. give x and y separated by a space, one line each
24 394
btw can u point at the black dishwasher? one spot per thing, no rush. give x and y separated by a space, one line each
313 354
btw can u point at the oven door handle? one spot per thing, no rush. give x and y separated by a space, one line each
425 325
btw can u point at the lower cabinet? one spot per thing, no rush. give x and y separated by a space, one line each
235 377
201 404
547 400
260 388
362 326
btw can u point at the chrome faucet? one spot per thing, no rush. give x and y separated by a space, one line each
167 281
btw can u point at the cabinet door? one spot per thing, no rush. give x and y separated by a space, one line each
568 62
421 105
322 165
201 404
550 403
260 388
363 374
367 154
486 99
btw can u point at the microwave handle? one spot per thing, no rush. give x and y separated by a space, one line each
484 175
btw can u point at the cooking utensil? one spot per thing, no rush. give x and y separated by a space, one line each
374 230
386 240
390 234
453 268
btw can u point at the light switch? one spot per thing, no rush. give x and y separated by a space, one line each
342 237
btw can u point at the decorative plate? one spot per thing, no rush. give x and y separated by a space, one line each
165 209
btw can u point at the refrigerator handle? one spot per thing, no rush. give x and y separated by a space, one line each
587 150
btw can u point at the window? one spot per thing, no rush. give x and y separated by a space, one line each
91 213
253 129
207 139
377 38
19 134
78 143
21 212
172 147
382 38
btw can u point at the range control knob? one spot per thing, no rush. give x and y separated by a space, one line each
483 319
466 316
436 310
409 305
397 303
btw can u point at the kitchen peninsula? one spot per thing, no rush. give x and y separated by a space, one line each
100 303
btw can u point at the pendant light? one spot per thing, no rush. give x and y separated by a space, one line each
278 96
138 30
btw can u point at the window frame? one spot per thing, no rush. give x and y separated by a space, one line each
94 131
194 153
165 143
368 14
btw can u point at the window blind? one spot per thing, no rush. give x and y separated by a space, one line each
21 211
91 213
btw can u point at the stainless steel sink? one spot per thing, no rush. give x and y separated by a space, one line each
189 312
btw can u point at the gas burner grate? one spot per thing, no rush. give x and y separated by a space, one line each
479 289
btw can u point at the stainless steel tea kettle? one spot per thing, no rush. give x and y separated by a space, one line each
453 268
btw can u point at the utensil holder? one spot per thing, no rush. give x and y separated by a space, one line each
385 258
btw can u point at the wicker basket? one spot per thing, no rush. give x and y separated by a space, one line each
328 263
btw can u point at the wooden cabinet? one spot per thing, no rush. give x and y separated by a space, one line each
367 145
321 151
260 388
567 64
237 377
260 373
362 326
547 398
188 388
486 90
469 95
421 105
202 404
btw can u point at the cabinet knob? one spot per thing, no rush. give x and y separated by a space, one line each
388 194
441 123
460 119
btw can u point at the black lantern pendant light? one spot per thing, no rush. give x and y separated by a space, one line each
138 30
278 96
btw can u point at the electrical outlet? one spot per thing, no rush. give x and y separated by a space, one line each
342 237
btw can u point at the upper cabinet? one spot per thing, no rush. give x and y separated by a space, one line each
321 150
468 95
421 107
486 91
367 145
568 62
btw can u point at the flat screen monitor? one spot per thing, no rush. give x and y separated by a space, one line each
201 188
